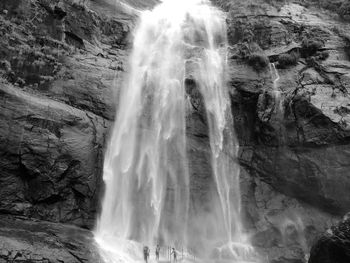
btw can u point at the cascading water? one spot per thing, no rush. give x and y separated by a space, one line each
146 171
276 91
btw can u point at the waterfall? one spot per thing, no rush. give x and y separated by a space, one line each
276 77
146 171
277 93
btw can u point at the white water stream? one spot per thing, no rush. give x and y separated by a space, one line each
276 91
146 170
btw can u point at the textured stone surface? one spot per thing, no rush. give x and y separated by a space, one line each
294 137
334 245
282 228
60 63
51 154
298 143
24 240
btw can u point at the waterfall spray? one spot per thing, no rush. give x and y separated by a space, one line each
146 169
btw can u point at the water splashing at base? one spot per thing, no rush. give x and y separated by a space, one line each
148 196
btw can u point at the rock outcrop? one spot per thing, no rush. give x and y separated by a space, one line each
293 130
298 139
60 61
334 245
24 240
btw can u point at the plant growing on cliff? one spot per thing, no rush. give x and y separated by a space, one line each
322 55
252 54
286 60
313 48
341 7
246 30
80 4
5 66
258 61
345 10
309 47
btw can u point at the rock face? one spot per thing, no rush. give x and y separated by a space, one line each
60 61
24 240
293 131
298 139
334 245
51 153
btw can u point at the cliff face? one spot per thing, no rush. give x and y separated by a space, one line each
61 63
299 143
293 131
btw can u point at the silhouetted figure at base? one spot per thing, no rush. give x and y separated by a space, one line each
157 252
173 252
146 253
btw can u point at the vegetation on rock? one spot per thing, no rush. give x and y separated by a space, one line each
341 7
286 60
258 61
57 69
31 56
309 47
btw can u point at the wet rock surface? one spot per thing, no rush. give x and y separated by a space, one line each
294 133
334 245
282 228
51 153
24 240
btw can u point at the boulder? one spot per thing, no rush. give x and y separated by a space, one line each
334 245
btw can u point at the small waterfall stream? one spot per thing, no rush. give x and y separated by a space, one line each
277 93
146 169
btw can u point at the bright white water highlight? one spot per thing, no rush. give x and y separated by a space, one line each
277 93
178 66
